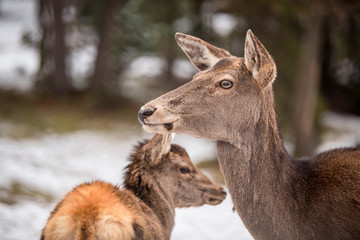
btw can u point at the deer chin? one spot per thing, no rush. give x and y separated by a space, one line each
160 127
212 199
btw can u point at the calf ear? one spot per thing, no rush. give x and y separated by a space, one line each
157 147
258 60
202 54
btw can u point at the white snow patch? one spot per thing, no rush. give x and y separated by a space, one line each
24 220
343 131
210 223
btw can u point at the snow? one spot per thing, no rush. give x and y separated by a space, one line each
209 222
17 61
342 131
23 220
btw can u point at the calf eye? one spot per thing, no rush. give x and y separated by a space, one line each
184 170
226 84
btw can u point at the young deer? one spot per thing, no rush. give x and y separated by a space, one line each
159 178
231 101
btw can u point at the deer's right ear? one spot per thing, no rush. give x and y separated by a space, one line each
258 60
202 54
158 146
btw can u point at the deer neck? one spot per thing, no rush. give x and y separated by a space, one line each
153 196
259 173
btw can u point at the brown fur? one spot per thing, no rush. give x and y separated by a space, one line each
276 196
154 186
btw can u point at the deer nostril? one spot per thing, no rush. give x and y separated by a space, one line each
148 112
143 114
223 192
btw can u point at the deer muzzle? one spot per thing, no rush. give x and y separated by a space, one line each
215 197
157 119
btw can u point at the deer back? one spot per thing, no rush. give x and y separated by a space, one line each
96 210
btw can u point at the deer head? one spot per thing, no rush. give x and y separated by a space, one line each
167 167
228 90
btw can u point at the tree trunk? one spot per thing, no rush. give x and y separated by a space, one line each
60 81
106 37
45 44
307 88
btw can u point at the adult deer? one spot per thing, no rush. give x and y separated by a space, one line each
231 101
159 178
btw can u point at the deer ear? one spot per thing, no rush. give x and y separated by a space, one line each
258 60
158 146
202 54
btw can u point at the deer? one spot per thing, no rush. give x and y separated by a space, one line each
159 178
230 100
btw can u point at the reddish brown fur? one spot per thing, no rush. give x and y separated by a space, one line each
93 211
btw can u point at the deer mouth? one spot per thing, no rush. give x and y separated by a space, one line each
159 127
212 199
157 119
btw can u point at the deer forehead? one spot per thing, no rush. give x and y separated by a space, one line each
226 67
227 63
180 159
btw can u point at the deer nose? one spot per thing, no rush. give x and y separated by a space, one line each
145 113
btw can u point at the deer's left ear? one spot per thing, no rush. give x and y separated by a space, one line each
202 54
258 60
157 147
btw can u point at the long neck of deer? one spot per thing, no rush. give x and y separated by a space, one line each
257 167
153 196
163 207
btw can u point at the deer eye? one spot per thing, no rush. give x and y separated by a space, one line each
226 84
184 170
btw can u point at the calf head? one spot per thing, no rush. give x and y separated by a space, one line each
167 167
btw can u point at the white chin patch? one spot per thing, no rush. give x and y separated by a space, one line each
155 128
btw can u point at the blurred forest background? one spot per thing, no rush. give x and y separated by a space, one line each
100 60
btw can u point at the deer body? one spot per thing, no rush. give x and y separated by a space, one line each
231 101
159 178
